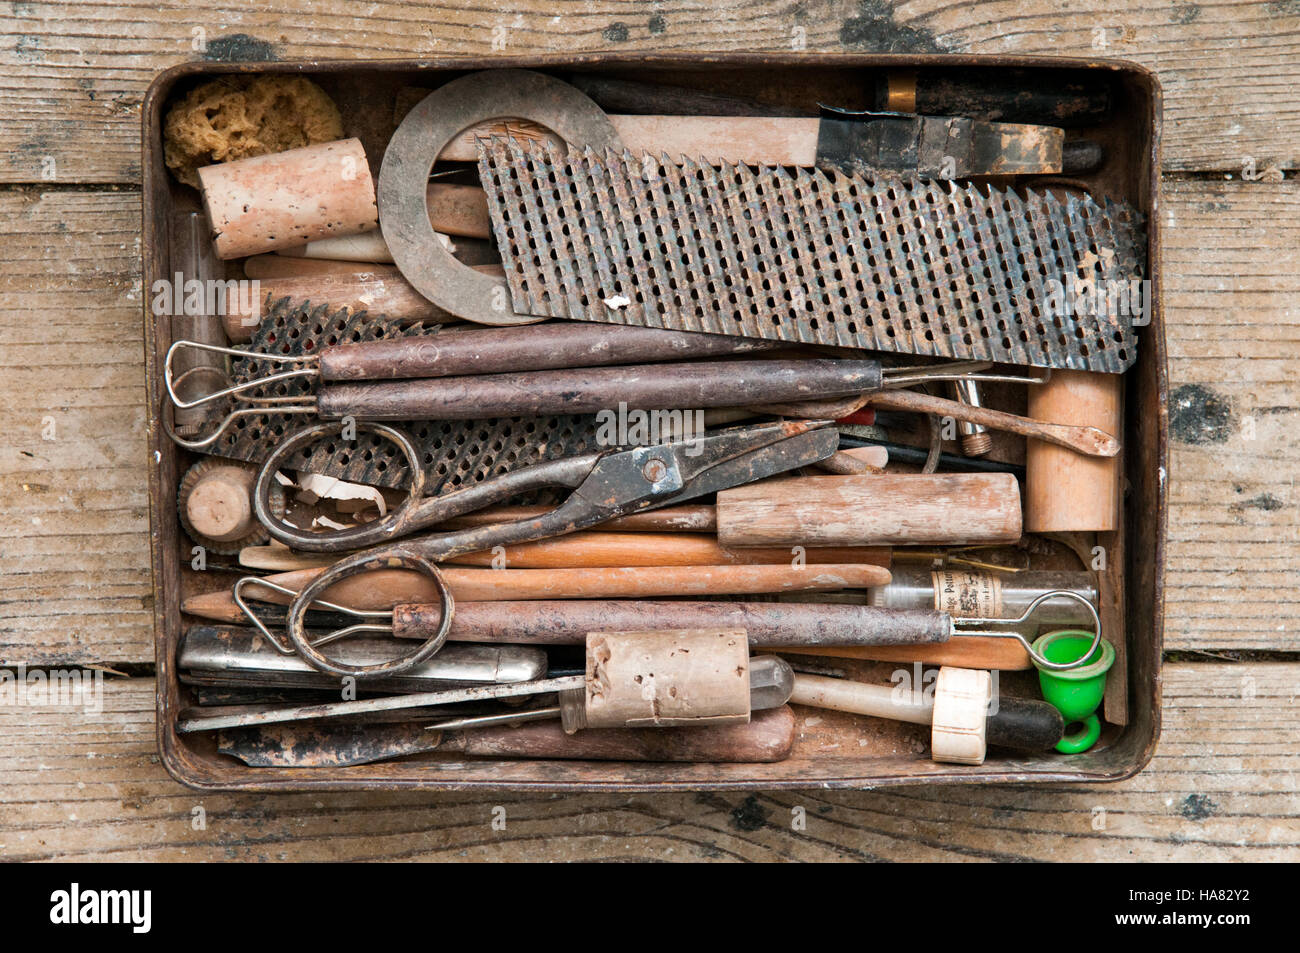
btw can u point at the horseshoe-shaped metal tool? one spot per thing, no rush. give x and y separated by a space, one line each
404 177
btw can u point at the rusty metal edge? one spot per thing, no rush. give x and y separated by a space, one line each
163 454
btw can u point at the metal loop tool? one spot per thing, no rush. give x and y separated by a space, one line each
961 626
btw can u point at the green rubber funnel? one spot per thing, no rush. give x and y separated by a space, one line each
1077 692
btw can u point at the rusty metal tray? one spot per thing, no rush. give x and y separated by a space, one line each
824 756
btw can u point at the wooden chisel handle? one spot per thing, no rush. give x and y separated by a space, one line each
768 737
1086 440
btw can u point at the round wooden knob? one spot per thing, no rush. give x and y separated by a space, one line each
961 706
220 505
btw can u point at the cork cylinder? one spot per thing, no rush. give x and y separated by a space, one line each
666 678
1068 492
219 506
289 198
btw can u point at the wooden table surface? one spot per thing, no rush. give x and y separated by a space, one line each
74 565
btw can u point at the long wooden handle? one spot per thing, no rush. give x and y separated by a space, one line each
909 508
963 651
387 588
567 622
566 344
380 291
768 737
604 550
1086 440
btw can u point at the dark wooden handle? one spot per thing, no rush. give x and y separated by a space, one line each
567 622
684 386
506 350
769 736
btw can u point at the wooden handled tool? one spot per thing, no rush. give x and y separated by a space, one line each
1011 96
767 737
1088 440
385 589
601 550
962 719
965 651
948 508
687 384
917 144
376 291
567 622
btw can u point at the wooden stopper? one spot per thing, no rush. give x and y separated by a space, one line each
947 508
959 720
1068 492
667 678
220 505
289 198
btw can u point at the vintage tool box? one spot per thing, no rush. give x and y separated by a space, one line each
827 753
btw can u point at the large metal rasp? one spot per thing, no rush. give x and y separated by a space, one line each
928 267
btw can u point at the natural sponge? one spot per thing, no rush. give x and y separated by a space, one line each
239 117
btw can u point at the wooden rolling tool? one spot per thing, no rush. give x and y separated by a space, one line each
962 720
949 508
767 737
1064 491
387 588
215 505
287 199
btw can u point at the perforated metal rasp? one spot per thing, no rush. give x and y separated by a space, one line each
910 266
454 453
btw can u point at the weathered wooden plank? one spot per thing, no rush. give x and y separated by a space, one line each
75 564
1222 787
1234 341
72 77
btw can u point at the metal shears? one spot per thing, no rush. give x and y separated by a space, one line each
605 484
